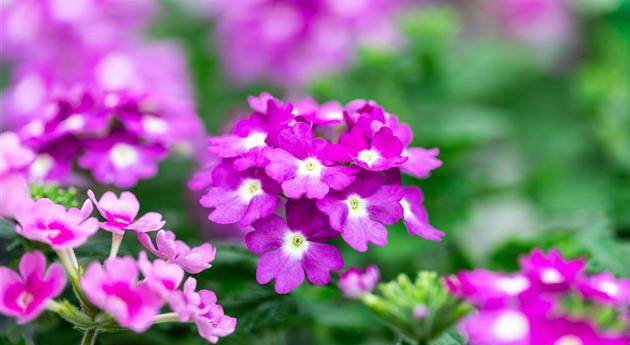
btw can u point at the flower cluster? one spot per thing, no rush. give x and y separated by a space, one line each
331 170
551 301
290 42
122 291
86 90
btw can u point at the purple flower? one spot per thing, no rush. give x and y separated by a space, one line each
52 224
14 158
174 251
201 307
114 288
24 295
420 161
120 214
241 197
120 160
486 288
606 288
301 166
382 152
415 215
551 272
292 248
361 211
563 331
160 275
354 282
246 144
498 327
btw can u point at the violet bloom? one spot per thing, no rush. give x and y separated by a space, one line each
420 161
552 272
192 260
114 288
14 158
120 213
241 197
564 331
382 152
289 249
498 327
52 224
301 166
160 275
606 288
486 288
246 144
121 161
24 295
201 307
416 217
354 282
361 211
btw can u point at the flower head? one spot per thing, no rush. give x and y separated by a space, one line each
354 282
162 276
192 260
120 213
551 271
52 224
14 158
24 295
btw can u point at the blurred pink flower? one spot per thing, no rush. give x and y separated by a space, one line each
354 282
120 213
174 251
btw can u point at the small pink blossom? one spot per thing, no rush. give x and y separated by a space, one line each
50 223
192 260
120 213
115 289
354 282
606 288
551 271
201 307
160 275
24 295
14 158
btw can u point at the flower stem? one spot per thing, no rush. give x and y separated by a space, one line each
116 241
68 259
89 337
167 317
53 306
67 262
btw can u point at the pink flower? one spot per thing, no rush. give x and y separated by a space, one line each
201 307
301 166
551 272
115 289
354 282
47 222
498 327
563 331
384 151
420 161
24 295
486 288
14 158
160 275
606 288
289 249
120 214
174 251
361 211
415 215
241 197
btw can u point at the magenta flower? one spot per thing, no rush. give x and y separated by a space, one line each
301 166
486 288
114 288
47 222
201 307
160 275
563 331
242 197
552 272
606 288
246 144
14 158
289 249
120 214
415 215
24 295
354 282
420 161
361 211
174 251
498 327
382 152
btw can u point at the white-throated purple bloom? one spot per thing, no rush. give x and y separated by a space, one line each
301 166
361 211
289 249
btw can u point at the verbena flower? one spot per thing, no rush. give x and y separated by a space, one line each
24 294
52 224
415 215
14 158
290 249
192 260
120 213
162 276
551 301
355 282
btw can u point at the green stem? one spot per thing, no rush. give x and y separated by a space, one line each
167 317
116 241
89 337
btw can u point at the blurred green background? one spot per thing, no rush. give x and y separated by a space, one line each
536 152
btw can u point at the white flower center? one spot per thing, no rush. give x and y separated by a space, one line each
310 167
551 276
357 206
41 166
123 155
24 300
569 340
255 139
406 207
250 188
52 233
513 285
510 326
154 124
608 287
332 115
73 122
369 157
295 244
